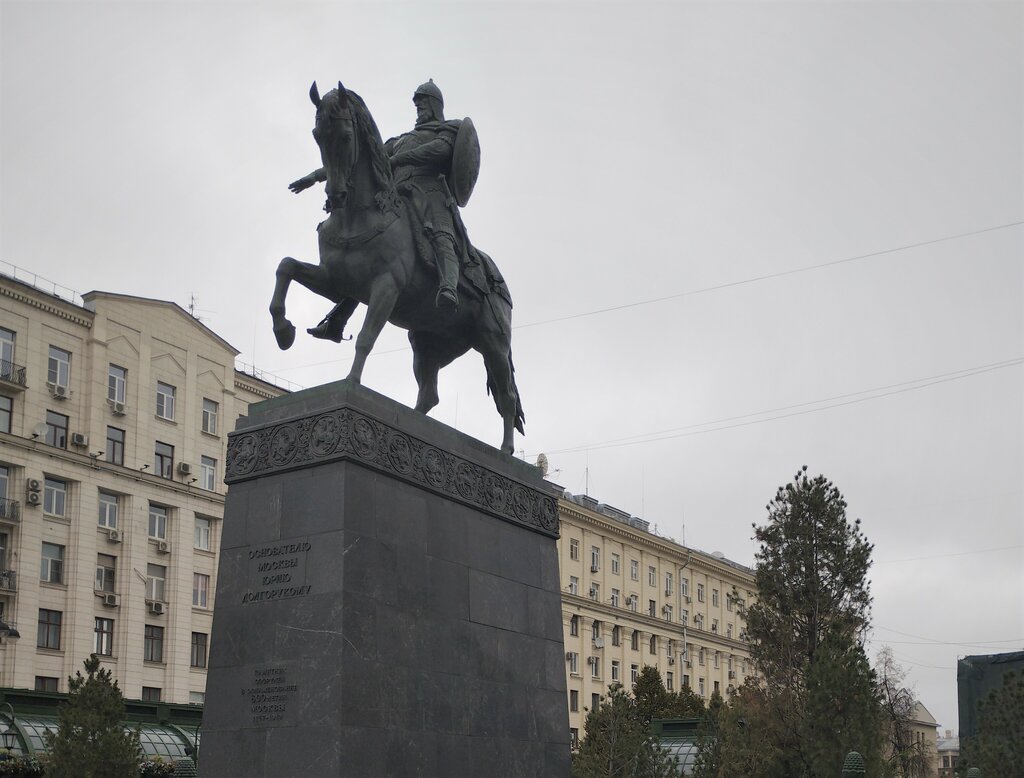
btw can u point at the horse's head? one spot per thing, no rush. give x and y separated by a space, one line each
336 135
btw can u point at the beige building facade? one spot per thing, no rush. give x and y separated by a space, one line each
114 414
631 598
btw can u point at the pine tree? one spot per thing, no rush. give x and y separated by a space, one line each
997 748
806 633
91 740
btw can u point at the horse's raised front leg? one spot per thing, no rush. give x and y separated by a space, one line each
382 302
310 276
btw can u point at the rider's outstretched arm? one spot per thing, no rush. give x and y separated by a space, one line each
307 181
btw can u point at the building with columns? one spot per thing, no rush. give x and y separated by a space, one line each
632 598
114 414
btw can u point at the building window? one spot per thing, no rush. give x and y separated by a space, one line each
634 640
156 578
595 667
204 528
684 586
669 647
574 700
115 446
700 686
615 598
574 585
728 630
652 608
153 644
698 621
718 687
56 429
714 597
157 522
55 497
686 681
574 663
574 626
574 549
634 570
669 681
716 660
728 603
198 649
150 694
200 590
106 567
7 369
574 738
684 615
58 367
668 584
714 626
616 635
104 637
51 569
668 612
164 460
615 669
595 701
700 592
595 591
634 673
209 416
49 629
117 378
615 564
700 656
165 401
196 698
632 601
595 559
6 411
207 473
45 683
652 575
595 631
108 511
652 647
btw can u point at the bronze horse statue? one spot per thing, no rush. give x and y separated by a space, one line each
368 253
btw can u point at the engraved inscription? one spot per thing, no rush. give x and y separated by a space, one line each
277 572
269 694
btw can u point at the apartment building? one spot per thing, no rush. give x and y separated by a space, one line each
632 598
114 414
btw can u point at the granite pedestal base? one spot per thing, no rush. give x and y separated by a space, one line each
387 600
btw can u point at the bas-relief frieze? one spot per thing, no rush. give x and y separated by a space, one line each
346 434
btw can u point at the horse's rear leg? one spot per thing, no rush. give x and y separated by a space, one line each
499 374
431 352
310 276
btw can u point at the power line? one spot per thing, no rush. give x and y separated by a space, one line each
935 641
703 290
692 429
945 556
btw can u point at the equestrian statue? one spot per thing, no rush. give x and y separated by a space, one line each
394 240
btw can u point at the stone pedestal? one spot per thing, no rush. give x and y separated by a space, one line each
387 600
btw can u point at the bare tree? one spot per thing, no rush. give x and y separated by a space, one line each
899 705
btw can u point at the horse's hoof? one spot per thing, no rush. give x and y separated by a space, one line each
285 334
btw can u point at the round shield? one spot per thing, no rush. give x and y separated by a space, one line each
465 162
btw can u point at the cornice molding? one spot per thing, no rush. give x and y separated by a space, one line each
51 306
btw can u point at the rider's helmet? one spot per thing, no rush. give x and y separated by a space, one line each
430 90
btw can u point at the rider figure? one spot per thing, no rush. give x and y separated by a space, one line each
421 160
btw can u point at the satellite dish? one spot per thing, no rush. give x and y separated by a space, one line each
542 463
39 431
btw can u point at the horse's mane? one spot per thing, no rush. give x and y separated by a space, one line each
370 139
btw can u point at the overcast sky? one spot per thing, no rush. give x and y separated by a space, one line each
670 190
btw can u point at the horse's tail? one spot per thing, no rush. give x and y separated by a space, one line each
520 418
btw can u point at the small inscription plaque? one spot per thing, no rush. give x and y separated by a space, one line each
277 571
269 695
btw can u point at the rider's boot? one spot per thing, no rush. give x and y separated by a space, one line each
448 269
332 327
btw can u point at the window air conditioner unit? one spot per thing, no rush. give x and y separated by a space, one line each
114 535
79 439
33 498
568 655
184 468
594 568
33 485
664 609
163 547
732 675
689 663
117 407
598 642
688 599
156 608
668 592
58 391
111 600
591 660
671 660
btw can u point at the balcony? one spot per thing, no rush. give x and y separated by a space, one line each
8 581
10 510
12 376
